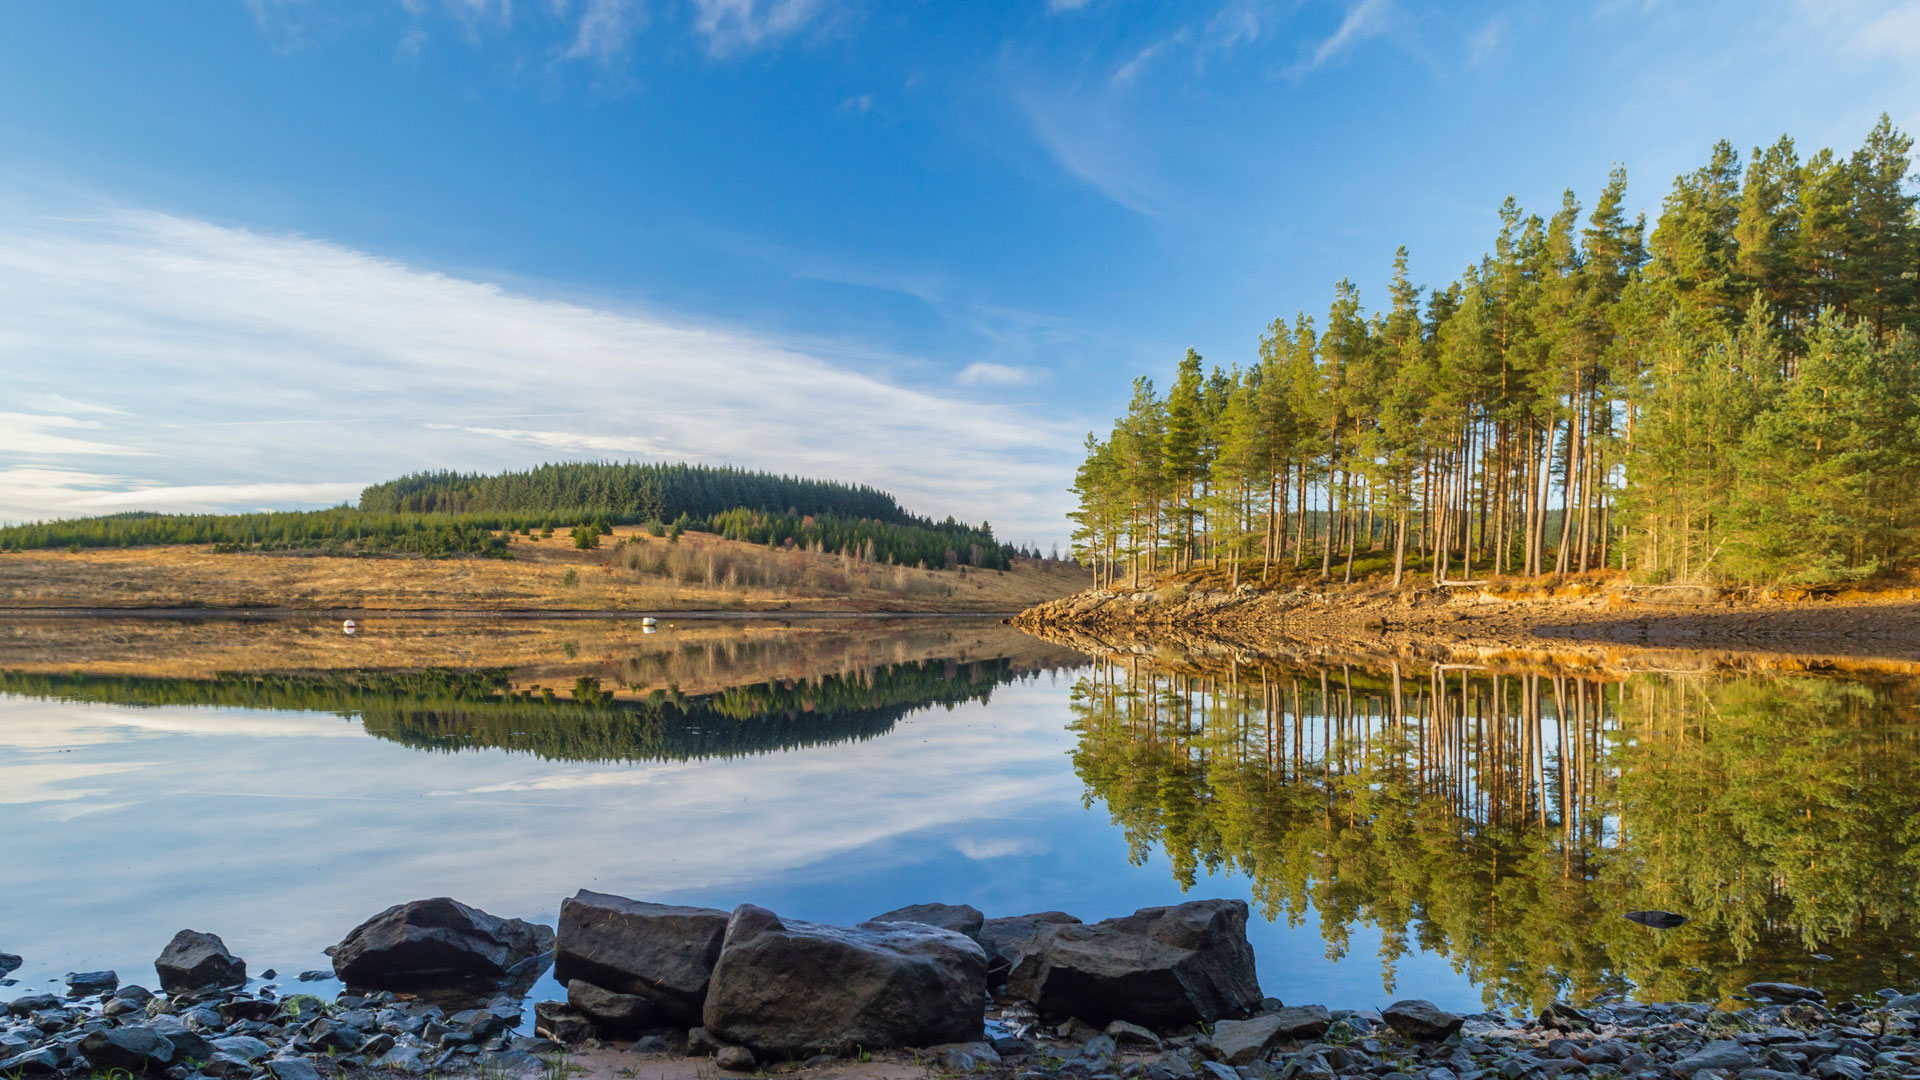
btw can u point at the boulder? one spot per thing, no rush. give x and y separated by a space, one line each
959 918
9 963
1159 967
784 987
1243 1042
734 1059
1003 939
614 1015
660 952
437 941
198 961
1421 1020
135 1048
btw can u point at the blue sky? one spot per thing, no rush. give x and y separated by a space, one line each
261 253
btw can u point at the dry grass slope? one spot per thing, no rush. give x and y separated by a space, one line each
629 572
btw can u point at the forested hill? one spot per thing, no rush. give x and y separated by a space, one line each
630 491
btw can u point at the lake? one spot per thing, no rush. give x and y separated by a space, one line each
1472 835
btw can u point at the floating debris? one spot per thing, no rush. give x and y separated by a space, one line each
1659 920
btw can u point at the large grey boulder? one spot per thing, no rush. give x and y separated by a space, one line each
197 961
1004 938
661 952
1160 967
784 987
437 941
959 918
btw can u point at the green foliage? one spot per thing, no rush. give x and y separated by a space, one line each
340 531
1506 820
627 492
586 537
868 539
1734 395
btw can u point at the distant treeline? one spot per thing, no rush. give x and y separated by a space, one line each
337 531
629 492
446 710
947 544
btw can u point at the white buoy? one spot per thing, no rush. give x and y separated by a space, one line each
649 621
348 626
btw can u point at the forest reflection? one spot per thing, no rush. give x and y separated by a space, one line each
1508 820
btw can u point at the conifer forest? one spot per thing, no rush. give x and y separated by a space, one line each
1728 393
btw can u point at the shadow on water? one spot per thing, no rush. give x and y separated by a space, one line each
441 709
1511 820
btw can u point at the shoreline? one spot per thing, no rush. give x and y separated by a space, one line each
932 990
506 614
1585 621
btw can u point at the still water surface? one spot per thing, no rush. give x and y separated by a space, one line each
1466 835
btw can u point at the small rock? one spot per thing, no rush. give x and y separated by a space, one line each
1126 1034
9 963
376 1045
964 1057
1721 1056
1783 993
32 1003
561 1023
1241 1042
651 1044
613 1015
1421 1020
136 1048
959 918
701 1043
404 1059
245 1047
315 976
82 983
35 1062
734 1059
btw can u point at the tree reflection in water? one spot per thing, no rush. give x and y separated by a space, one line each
1508 820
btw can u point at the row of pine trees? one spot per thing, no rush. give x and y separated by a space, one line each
1730 395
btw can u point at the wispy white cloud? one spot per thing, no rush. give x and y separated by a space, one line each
1090 143
1364 20
606 30
1126 73
34 434
281 360
1485 41
986 374
64 404
732 26
579 442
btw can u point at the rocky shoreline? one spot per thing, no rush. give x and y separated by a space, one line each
1574 617
437 988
